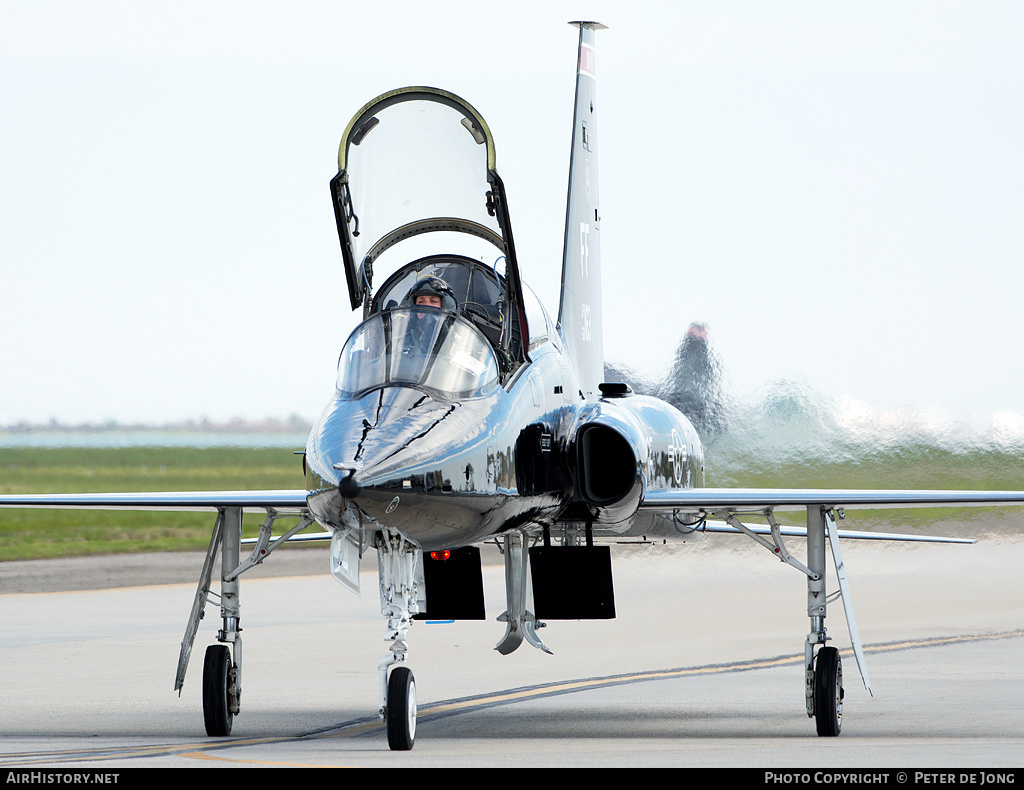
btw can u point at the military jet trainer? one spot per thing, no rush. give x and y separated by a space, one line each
465 413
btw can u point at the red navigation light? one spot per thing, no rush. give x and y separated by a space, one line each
440 555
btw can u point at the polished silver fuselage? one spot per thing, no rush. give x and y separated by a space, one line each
448 472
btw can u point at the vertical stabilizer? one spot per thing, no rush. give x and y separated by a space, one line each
579 308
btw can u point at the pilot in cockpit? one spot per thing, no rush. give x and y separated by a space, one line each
432 292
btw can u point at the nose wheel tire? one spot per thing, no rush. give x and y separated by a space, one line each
218 686
828 692
401 709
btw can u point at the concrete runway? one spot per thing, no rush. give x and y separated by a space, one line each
86 676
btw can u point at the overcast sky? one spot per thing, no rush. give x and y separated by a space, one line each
836 189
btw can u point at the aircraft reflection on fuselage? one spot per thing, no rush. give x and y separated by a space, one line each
450 471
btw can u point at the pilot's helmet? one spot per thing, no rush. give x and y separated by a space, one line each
432 286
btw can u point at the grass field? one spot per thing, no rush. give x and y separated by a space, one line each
32 533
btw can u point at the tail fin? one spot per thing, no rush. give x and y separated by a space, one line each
579 308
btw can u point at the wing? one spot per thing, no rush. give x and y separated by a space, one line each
714 499
283 501
727 503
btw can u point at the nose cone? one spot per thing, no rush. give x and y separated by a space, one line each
357 434
348 487
397 454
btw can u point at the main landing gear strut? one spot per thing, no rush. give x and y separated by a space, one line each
400 565
823 667
222 668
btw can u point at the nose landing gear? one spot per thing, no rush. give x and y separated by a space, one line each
397 563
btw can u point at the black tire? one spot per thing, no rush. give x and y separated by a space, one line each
401 712
217 685
828 692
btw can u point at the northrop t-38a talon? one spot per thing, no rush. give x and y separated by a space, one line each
464 413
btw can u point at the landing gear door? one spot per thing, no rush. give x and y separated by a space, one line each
345 553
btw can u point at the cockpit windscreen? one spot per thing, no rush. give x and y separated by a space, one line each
418 346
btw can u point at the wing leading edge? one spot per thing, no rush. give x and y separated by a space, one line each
712 499
282 501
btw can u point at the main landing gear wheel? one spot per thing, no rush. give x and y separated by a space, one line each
401 709
828 692
218 688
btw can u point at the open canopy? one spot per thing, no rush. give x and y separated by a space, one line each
416 172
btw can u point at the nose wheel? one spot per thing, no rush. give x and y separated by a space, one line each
401 709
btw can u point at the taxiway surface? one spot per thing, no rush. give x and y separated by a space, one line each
86 675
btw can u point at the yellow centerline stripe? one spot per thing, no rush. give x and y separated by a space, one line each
205 756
